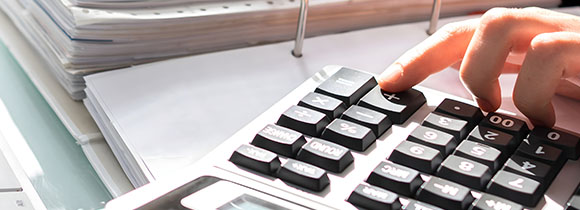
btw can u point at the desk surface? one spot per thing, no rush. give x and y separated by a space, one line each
67 180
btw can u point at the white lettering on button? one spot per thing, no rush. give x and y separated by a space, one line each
375 193
395 171
447 189
391 96
417 150
302 113
490 135
540 150
430 135
527 165
479 151
496 205
517 183
421 207
364 115
320 100
256 152
344 82
279 133
304 168
553 136
326 148
348 128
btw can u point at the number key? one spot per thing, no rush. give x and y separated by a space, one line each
489 156
464 171
448 124
568 142
469 113
515 187
417 156
492 137
516 127
542 152
435 139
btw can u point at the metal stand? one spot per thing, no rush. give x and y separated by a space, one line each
435 10
301 29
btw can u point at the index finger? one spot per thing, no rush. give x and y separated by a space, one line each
442 49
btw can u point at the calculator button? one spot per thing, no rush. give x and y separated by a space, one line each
371 197
445 194
280 140
530 168
489 156
514 187
448 124
397 106
347 85
255 158
417 156
435 139
418 205
349 134
304 120
567 142
491 202
542 152
330 106
469 113
396 178
326 155
573 203
516 127
500 140
376 121
304 175
465 171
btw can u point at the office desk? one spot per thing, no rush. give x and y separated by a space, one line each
65 179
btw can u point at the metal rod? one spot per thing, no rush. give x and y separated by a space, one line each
435 10
300 29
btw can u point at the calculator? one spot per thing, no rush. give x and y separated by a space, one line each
340 142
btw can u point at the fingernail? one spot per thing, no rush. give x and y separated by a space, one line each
484 105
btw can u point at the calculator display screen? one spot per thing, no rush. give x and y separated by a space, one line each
246 201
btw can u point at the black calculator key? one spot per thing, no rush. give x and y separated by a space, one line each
448 124
326 155
397 106
376 121
418 205
371 197
330 106
257 159
567 142
502 141
435 139
541 151
489 156
465 171
516 127
280 140
573 203
530 168
417 156
492 202
304 175
347 85
396 178
349 134
304 120
467 112
514 187
445 194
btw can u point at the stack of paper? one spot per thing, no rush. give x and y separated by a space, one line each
80 37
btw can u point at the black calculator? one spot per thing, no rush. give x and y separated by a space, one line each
340 142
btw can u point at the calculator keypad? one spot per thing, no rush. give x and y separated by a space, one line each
455 151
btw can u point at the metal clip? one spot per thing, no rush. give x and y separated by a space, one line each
435 10
300 29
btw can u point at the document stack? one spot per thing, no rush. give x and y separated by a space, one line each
80 37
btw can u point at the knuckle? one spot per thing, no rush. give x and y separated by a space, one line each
497 19
547 44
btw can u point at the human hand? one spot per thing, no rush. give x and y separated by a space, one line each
485 47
